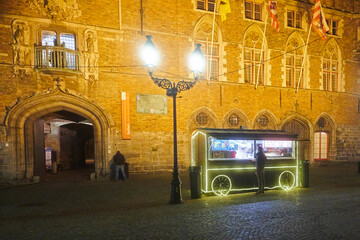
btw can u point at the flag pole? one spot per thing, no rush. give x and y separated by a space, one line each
303 61
261 53
212 44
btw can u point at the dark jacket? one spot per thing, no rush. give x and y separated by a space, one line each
260 160
119 159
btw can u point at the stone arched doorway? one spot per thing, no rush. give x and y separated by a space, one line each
23 117
302 127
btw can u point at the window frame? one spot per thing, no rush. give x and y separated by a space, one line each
296 19
209 57
58 34
254 63
206 4
333 26
294 69
252 10
329 84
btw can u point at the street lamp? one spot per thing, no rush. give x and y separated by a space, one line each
151 57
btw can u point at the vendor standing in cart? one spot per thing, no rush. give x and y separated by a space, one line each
260 169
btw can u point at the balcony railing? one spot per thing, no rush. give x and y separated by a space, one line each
56 58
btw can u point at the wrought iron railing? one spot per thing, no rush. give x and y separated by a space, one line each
56 58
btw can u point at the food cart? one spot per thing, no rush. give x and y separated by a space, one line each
226 157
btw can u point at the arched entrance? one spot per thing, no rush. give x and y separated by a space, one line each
25 121
68 142
302 127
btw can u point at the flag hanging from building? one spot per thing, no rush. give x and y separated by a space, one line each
319 22
273 15
224 9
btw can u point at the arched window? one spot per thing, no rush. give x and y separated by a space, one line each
252 57
294 59
210 46
330 68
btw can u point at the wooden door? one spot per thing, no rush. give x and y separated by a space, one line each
39 149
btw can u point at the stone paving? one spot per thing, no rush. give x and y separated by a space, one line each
68 206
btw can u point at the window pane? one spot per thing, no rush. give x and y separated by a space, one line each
326 81
334 66
297 76
289 60
326 65
261 74
214 69
334 82
215 49
248 55
298 20
68 40
334 27
248 10
48 38
257 11
290 18
211 5
201 4
289 77
257 55
248 72
298 61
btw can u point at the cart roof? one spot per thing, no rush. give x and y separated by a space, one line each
250 134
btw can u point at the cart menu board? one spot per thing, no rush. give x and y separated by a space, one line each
276 148
246 149
234 149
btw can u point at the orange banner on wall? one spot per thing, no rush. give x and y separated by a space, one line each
125 115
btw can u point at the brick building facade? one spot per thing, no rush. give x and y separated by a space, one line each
66 63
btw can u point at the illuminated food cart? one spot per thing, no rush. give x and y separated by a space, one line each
226 157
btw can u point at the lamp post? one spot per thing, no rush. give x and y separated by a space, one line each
150 57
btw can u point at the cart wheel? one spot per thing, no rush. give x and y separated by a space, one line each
221 185
287 180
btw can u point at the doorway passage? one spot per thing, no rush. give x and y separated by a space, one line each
63 141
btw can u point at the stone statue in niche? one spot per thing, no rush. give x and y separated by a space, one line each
90 43
19 34
21 47
91 56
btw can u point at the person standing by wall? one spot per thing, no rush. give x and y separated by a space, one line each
260 169
119 161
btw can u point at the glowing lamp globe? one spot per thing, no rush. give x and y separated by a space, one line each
149 53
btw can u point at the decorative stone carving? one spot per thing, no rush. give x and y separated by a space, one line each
252 39
91 71
56 9
21 47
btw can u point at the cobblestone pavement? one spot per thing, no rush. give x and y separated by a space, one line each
68 206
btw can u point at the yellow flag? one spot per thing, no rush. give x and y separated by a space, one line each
224 9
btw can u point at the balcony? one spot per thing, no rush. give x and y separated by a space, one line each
56 59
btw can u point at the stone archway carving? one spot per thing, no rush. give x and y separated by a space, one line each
272 122
303 127
212 121
21 117
243 120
